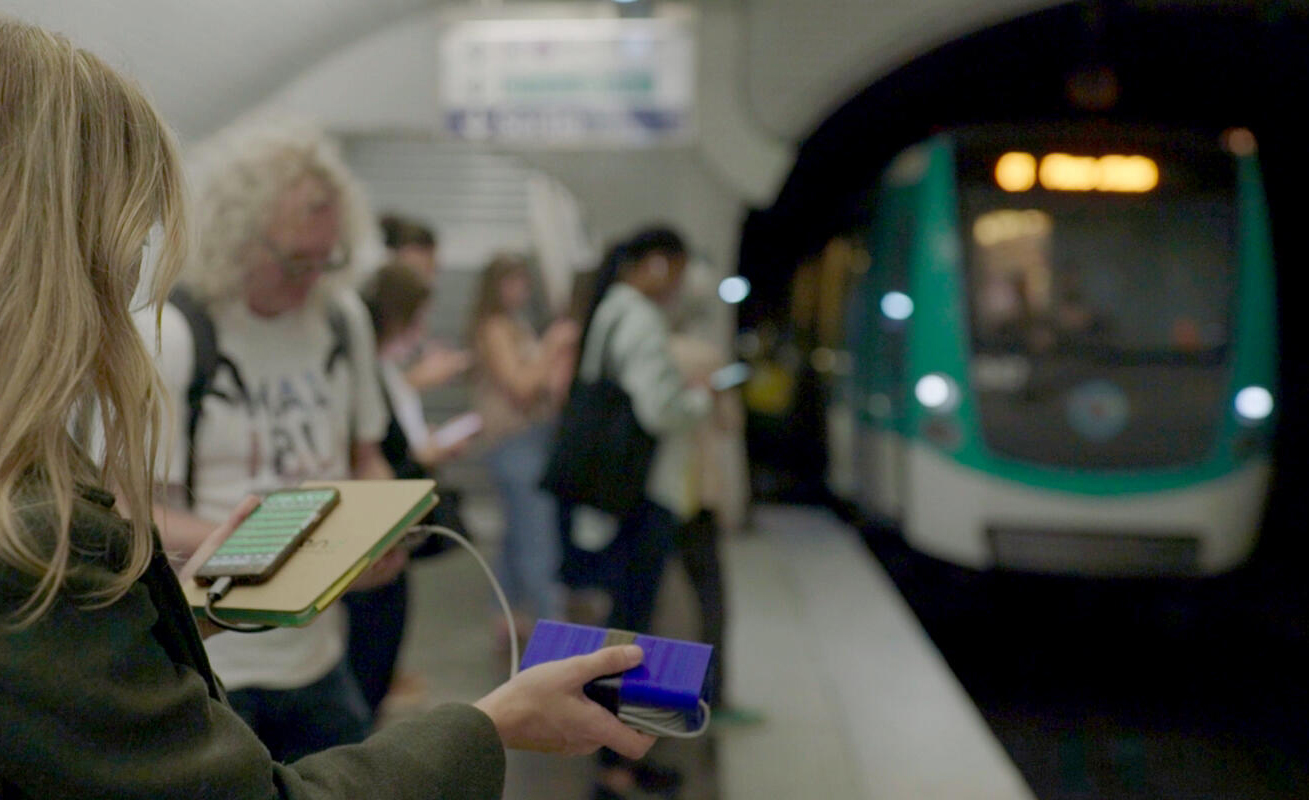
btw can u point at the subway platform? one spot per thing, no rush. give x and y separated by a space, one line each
856 701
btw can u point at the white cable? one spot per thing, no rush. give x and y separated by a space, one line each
656 721
495 584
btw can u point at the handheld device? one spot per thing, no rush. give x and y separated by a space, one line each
272 532
459 429
662 697
730 376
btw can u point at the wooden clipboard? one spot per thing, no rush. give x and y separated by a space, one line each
370 519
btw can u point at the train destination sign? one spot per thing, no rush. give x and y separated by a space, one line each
1062 172
625 82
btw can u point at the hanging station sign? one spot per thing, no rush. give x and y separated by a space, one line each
569 82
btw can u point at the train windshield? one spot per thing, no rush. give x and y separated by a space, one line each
1145 274
1101 282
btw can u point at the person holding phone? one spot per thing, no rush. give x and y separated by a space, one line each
292 395
416 247
105 686
628 338
397 298
520 382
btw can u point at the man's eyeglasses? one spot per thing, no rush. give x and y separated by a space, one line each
299 266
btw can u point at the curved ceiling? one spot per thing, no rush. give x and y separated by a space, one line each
206 62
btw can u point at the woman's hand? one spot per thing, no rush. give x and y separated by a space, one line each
382 571
434 455
544 709
561 337
437 365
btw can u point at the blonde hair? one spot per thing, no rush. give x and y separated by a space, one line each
88 169
239 174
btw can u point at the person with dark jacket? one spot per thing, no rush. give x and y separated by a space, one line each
105 686
396 297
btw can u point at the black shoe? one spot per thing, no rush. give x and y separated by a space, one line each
656 779
603 792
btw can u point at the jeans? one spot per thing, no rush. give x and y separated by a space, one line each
629 569
293 723
529 558
645 539
377 621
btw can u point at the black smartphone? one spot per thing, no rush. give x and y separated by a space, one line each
268 536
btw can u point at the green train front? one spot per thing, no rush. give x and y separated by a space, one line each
1065 350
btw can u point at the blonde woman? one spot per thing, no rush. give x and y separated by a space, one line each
105 688
520 382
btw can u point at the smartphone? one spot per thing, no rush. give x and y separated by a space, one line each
457 430
268 537
729 377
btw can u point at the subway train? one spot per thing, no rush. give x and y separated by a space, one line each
1064 349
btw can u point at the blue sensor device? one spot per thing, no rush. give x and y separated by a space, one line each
670 679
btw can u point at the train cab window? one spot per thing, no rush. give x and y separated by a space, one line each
1107 275
1083 282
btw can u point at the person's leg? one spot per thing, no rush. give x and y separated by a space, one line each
324 714
698 546
377 619
500 464
537 554
644 541
645 538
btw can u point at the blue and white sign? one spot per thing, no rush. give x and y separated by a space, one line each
569 82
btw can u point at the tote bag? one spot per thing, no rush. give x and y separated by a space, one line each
601 454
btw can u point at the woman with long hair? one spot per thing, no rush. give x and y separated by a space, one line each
105 688
520 382
627 338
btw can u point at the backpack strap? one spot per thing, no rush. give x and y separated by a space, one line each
340 335
205 340
340 328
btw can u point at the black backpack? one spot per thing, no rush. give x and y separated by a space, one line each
207 360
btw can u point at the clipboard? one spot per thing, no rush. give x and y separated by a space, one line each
370 519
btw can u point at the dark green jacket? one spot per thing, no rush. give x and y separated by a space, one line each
120 702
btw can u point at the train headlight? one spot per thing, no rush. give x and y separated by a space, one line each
734 289
897 306
1254 404
937 392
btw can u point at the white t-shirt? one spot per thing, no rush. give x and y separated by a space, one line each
277 413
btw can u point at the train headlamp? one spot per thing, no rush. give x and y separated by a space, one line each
897 306
1253 404
937 392
733 289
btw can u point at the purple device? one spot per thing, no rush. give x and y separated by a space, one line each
671 676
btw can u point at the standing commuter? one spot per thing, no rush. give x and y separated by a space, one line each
105 688
397 299
521 379
292 396
627 338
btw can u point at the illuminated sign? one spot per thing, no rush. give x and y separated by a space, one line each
1062 172
562 82
1016 172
